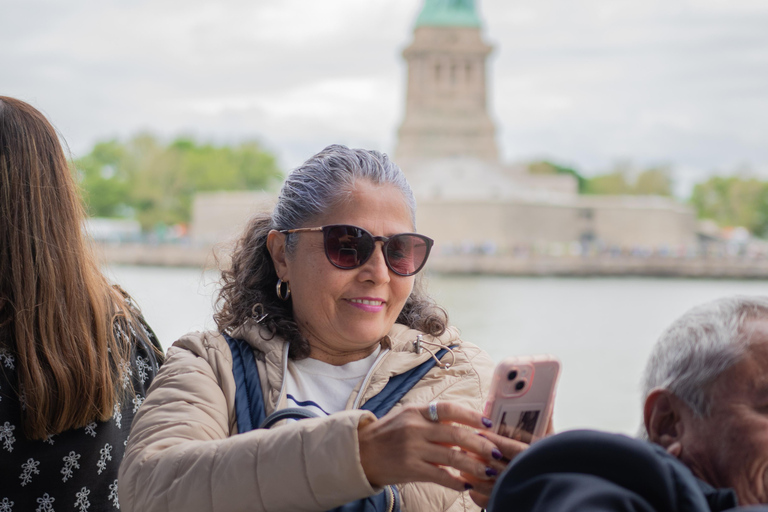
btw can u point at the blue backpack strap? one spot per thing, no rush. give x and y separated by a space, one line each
249 407
385 501
290 413
399 385
249 399
381 404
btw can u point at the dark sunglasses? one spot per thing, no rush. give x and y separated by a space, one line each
350 247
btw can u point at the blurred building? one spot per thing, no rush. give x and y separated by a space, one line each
222 216
468 199
446 109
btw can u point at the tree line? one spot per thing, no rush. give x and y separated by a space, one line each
734 200
155 182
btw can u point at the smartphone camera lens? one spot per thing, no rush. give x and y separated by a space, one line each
512 375
519 385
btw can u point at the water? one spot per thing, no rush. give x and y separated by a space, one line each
602 330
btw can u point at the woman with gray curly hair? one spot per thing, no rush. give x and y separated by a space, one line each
334 381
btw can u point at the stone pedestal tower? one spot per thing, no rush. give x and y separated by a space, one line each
446 109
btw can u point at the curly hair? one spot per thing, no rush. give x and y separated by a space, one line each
321 183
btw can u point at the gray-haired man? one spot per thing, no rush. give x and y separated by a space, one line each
705 413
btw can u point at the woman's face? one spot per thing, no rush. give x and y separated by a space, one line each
344 313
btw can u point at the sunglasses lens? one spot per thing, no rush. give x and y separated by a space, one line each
348 246
407 253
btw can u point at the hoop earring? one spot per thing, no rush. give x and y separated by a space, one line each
279 289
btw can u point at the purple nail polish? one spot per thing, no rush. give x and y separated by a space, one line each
489 471
488 423
496 453
468 486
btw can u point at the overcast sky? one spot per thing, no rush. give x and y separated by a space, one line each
586 83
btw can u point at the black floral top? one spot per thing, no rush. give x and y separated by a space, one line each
75 470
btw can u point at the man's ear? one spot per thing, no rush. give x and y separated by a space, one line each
276 248
664 420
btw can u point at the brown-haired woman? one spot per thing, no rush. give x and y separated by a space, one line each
75 355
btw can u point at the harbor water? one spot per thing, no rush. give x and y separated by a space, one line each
601 329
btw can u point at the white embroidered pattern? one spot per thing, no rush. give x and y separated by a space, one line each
90 429
49 439
46 503
6 434
112 495
106 454
70 463
7 358
142 365
137 401
82 500
28 469
118 416
6 505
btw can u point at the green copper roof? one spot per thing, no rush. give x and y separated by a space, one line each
448 13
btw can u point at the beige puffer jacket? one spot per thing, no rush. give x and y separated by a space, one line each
183 452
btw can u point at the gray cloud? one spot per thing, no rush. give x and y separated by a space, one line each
588 83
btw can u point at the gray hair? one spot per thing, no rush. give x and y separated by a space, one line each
326 180
320 184
701 345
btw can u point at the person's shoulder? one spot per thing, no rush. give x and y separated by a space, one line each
403 338
204 344
467 352
604 467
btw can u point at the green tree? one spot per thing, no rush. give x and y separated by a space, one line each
654 181
155 182
624 180
733 201
614 183
546 167
103 180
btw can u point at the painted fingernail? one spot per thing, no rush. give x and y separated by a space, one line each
489 471
488 423
496 453
468 486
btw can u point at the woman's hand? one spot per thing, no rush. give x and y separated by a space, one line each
510 448
406 446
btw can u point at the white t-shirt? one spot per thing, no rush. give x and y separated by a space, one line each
324 388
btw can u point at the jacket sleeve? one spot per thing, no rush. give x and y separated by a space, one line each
180 455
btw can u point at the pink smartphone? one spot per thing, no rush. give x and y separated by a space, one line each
522 396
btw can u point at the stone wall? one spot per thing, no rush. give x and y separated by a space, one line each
220 216
502 225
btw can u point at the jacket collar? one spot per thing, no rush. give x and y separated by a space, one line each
403 354
400 339
718 499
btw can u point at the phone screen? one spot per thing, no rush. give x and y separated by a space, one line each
519 424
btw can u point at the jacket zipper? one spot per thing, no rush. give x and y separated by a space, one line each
379 360
368 377
391 498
